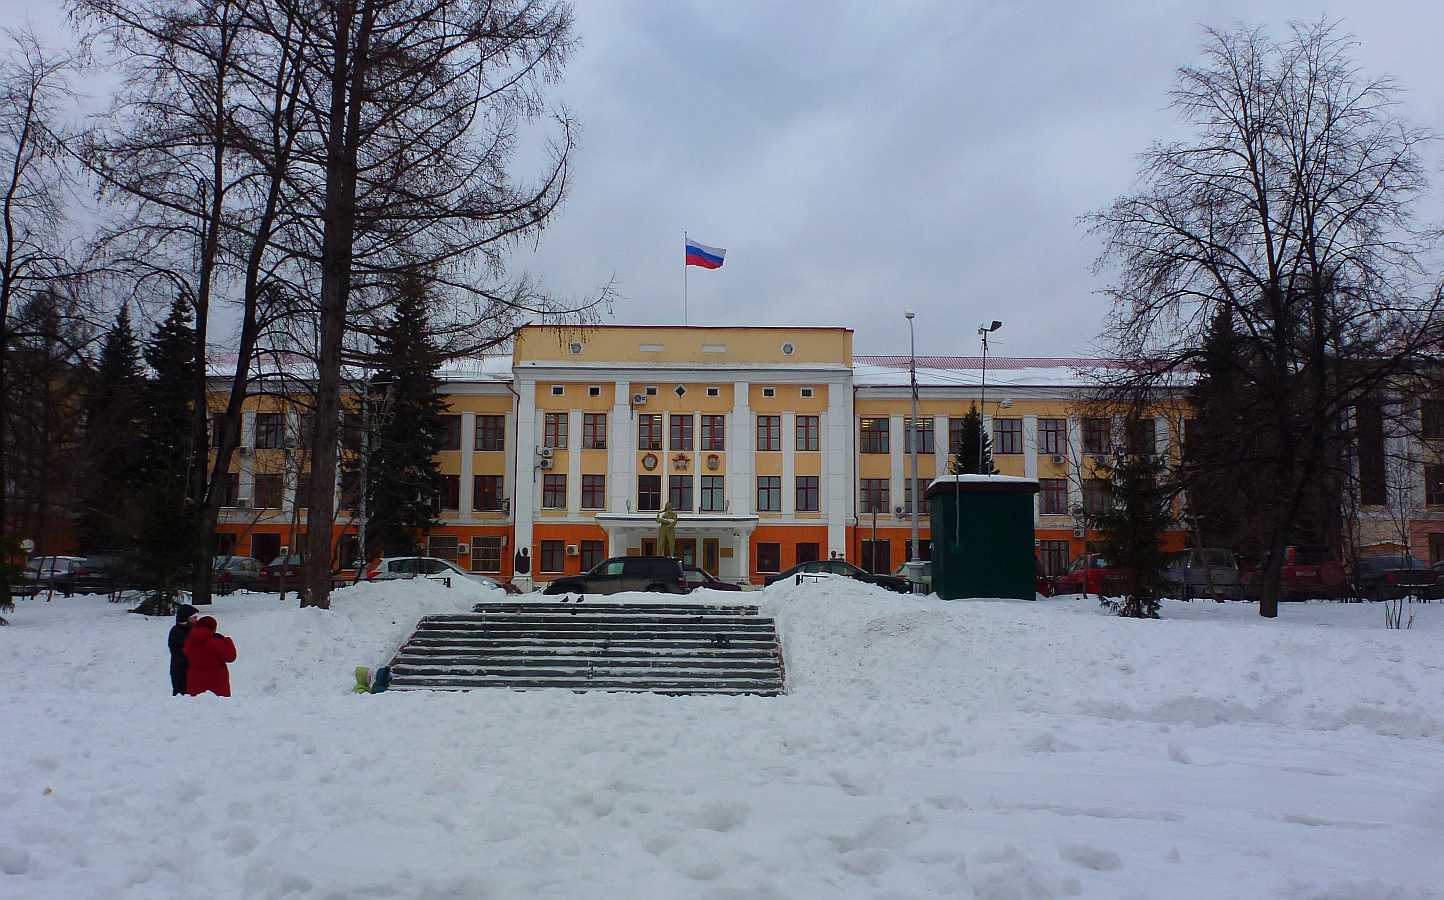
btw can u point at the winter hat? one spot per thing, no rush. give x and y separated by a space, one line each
184 612
207 622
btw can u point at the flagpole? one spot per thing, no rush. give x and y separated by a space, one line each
684 276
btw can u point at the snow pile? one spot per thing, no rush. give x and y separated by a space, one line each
986 750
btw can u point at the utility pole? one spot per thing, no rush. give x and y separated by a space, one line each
984 331
913 433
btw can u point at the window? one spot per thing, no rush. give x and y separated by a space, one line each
594 391
769 433
553 556
651 390
807 493
1142 438
1095 496
1097 435
925 549
955 434
808 552
442 547
305 430
270 431
1007 435
769 392
679 492
1370 424
218 424
593 553
1053 494
554 491
922 508
350 432
1431 418
714 392
769 558
1054 557
924 431
554 430
594 492
649 493
491 432
594 431
807 393
681 432
807 433
769 493
303 490
350 488
714 495
1434 485
451 433
877 556
649 431
268 492
486 554
558 390
714 432
486 493
1053 436
680 390
448 493
873 436
873 496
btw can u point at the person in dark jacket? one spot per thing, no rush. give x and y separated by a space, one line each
177 641
523 561
207 652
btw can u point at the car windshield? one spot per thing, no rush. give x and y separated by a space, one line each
287 561
1311 556
1100 563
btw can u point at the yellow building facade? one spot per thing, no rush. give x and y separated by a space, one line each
775 445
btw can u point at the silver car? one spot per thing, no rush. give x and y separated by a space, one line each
428 567
1203 573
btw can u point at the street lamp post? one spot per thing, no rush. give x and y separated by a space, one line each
914 562
984 331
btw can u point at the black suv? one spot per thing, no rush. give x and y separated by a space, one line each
658 574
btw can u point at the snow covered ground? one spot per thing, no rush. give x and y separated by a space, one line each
989 749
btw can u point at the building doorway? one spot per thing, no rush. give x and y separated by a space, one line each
687 551
877 556
711 555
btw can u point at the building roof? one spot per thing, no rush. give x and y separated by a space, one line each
967 371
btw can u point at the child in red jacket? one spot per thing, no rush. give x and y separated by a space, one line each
207 653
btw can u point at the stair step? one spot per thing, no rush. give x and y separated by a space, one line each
549 651
473 619
411 662
583 673
691 609
753 691
601 644
457 682
580 624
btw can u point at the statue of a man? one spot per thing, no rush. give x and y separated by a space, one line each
667 533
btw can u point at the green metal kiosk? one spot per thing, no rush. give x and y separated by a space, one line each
982 531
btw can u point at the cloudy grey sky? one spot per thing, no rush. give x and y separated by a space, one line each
859 159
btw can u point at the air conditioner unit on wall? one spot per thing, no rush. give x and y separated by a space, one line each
545 452
1078 532
544 463
1057 459
572 550
243 502
1100 459
639 399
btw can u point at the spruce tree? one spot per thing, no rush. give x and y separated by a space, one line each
169 521
1132 527
407 429
112 446
964 459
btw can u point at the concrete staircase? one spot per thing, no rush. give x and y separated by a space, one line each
671 648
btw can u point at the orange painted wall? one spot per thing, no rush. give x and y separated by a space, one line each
788 537
570 534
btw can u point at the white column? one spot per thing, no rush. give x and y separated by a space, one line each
508 475
1075 459
524 492
247 480
1160 435
621 458
1030 456
292 472
897 469
468 442
743 557
574 462
941 450
837 433
789 446
741 466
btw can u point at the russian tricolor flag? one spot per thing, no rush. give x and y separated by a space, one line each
704 256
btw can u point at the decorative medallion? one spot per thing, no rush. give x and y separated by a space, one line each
680 461
649 462
713 461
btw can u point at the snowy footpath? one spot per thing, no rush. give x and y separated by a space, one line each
989 749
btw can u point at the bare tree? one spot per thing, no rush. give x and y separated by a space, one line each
1291 210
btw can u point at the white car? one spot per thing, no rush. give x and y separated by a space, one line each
44 572
429 567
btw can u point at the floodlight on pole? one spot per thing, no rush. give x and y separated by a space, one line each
984 331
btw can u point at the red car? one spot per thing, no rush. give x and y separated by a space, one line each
701 578
1308 572
1098 578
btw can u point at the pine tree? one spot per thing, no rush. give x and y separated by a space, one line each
169 523
407 429
112 409
1132 528
964 459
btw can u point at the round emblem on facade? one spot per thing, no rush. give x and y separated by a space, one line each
680 461
788 348
713 461
649 462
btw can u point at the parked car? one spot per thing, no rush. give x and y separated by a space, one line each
701 578
1043 583
657 574
925 576
847 570
49 573
238 573
1309 572
1090 574
431 568
103 573
1203 573
281 572
1392 577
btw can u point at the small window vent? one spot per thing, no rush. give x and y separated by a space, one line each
650 348
651 390
594 391
679 391
576 348
714 392
807 392
769 392
788 348
558 390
